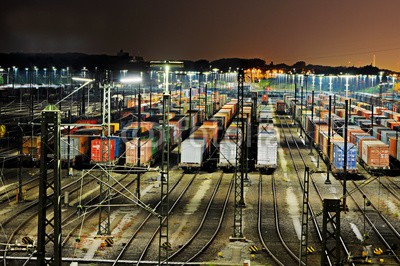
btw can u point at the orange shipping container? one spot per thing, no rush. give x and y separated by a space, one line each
393 147
31 146
351 131
318 128
146 152
360 144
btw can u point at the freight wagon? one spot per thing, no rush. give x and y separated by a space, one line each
280 107
78 148
266 114
201 144
150 149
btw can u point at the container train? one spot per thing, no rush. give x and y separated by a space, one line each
83 145
372 133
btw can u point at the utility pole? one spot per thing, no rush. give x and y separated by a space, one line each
49 189
138 142
346 119
304 218
163 243
312 120
239 166
327 181
21 139
105 191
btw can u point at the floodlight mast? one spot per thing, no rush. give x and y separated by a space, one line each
136 80
163 251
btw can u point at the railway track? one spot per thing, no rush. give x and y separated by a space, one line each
20 222
209 225
385 238
299 174
273 249
73 223
142 231
383 228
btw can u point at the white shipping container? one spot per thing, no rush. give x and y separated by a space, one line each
227 152
267 151
73 148
192 151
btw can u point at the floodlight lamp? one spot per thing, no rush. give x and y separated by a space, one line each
130 80
82 79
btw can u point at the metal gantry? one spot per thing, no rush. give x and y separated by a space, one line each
49 188
304 218
105 191
164 236
239 165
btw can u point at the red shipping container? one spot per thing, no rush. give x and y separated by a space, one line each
100 145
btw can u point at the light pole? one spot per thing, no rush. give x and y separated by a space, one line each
380 88
394 76
137 80
215 70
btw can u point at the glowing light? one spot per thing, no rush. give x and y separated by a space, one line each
82 79
130 80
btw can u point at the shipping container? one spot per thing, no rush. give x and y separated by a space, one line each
375 154
360 139
267 147
193 152
31 146
100 152
228 146
338 157
387 134
394 147
78 146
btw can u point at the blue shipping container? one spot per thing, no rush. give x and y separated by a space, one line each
338 156
119 146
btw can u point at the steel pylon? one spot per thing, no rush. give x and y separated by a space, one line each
49 189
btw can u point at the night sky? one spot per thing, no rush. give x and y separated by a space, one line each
340 32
